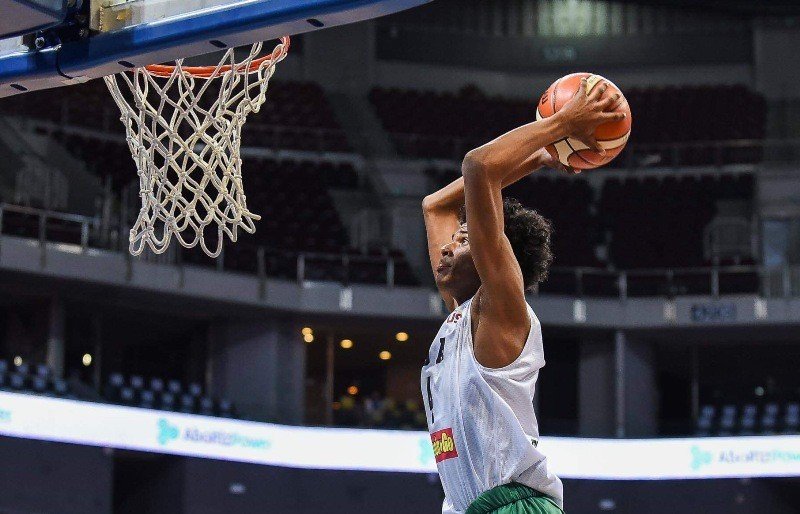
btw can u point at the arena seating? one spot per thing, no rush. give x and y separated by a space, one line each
566 202
292 197
36 379
298 216
763 418
446 125
170 395
427 124
296 115
680 208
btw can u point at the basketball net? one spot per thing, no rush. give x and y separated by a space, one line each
183 126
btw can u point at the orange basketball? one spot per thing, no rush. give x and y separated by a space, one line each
612 136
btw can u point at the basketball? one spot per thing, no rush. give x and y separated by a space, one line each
612 136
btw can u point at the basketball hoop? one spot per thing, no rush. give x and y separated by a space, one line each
184 134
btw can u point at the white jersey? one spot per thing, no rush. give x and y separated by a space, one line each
481 420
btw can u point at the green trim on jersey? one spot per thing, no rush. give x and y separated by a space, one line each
513 498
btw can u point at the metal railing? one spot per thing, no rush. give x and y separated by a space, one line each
705 153
702 281
83 232
267 135
69 228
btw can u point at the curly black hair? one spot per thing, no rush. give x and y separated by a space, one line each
529 234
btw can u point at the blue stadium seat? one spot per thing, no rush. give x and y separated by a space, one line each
43 370
791 419
187 403
116 380
24 369
167 401
137 382
3 380
174 387
727 421
225 408
157 384
16 381
3 366
39 384
206 406
147 399
127 395
705 421
769 418
747 421
60 387
195 389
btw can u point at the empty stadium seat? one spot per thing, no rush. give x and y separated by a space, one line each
705 421
136 382
727 420
447 125
147 399
769 418
158 393
747 421
791 420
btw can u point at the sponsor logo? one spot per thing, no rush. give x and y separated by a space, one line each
713 312
444 446
702 458
168 432
454 317
5 415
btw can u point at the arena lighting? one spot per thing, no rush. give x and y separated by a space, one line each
87 359
346 344
352 390
401 336
17 361
309 338
174 433
307 331
385 355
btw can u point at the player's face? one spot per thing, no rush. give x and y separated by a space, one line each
456 269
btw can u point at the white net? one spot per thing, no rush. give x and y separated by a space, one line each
183 128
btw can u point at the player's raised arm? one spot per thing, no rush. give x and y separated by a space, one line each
503 319
442 208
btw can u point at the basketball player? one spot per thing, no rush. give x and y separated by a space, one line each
479 377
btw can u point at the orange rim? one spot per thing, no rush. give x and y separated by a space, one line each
207 72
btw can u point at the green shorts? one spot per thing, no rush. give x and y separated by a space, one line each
513 498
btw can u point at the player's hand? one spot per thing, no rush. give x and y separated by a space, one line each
585 111
543 159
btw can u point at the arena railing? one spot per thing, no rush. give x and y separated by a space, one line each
271 136
704 153
81 232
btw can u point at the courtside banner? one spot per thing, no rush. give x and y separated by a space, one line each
112 426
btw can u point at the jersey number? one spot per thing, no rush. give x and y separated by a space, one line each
439 358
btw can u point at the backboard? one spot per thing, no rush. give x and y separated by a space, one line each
95 38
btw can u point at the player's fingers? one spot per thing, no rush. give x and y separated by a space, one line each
592 143
613 116
584 86
610 101
598 90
